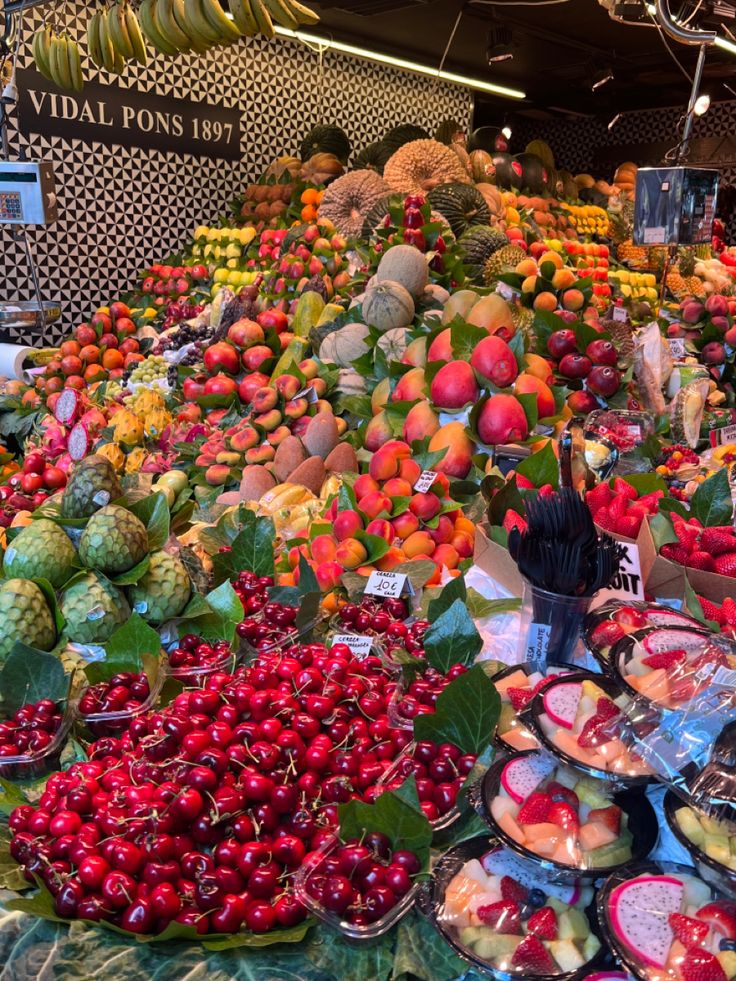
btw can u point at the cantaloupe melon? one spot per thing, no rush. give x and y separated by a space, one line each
546 847
388 305
654 685
517 679
508 824
567 742
593 834
406 265
520 739
544 831
567 853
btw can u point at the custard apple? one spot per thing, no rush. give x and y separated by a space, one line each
25 616
92 484
113 541
41 551
164 590
93 609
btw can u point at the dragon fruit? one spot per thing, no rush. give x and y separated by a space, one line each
128 428
78 442
561 703
659 641
521 776
502 861
67 406
639 911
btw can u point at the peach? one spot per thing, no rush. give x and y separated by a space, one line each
527 267
381 528
288 386
405 524
379 397
573 300
260 454
530 384
268 420
309 368
265 399
443 533
394 557
229 459
554 257
545 301
425 506
217 475
420 421
493 359
441 348
319 385
420 543
454 386
385 461
351 553
377 432
453 437
446 555
416 353
295 553
328 575
324 548
502 420
463 543
322 405
364 485
529 285
535 364
296 408
410 470
244 439
410 387
396 487
277 437
346 524
375 504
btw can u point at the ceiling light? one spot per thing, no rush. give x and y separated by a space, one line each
412 66
720 42
507 132
500 44
702 105
614 121
601 79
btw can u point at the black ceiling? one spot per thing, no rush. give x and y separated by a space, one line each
558 48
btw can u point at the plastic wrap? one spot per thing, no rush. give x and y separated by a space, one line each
516 687
614 620
33 765
710 842
623 428
101 724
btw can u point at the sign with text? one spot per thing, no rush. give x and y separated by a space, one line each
389 585
628 583
116 116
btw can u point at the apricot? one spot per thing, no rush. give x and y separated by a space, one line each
328 575
420 421
346 524
527 268
410 470
324 548
573 300
420 543
531 385
425 506
554 257
529 285
382 528
394 557
374 504
444 532
396 487
563 279
446 555
364 485
405 524
351 553
385 461
545 301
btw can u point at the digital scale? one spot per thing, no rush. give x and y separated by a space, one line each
27 193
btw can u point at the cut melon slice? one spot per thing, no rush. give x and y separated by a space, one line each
517 679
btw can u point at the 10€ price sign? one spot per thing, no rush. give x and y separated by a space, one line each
389 585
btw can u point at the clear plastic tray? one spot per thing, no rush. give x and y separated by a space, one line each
353 932
391 774
709 867
247 652
526 739
101 724
614 620
33 766
197 675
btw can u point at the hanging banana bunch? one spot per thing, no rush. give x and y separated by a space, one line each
114 37
57 58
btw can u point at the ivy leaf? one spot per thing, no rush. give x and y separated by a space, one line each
133 575
125 649
711 503
454 590
153 511
452 638
426 458
541 467
466 713
396 815
375 546
645 483
251 550
464 338
29 675
225 612
480 608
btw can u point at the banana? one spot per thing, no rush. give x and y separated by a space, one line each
196 43
59 63
216 16
263 18
150 26
118 63
42 50
243 17
118 31
303 14
169 27
75 65
136 38
198 25
280 12
106 45
93 40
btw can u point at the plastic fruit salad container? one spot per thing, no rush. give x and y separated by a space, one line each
613 621
581 718
516 686
32 740
500 913
666 924
568 822
711 841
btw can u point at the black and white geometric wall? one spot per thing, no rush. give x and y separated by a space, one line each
122 207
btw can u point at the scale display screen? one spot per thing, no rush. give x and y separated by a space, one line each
8 177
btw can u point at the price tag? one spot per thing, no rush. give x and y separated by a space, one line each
628 582
620 314
677 347
537 642
359 644
425 480
719 437
506 291
307 393
387 584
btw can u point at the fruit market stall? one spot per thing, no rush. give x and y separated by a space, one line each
367 591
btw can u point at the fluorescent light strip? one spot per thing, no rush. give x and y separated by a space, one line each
412 66
720 42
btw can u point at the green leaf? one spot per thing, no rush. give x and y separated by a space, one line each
417 571
48 591
529 405
125 649
541 467
669 505
346 498
506 499
646 483
466 713
662 531
10 798
452 638
225 612
711 503
153 511
251 550
395 815
426 458
454 590
29 675
11 874
309 605
307 579
464 338
375 546
133 575
422 954
480 608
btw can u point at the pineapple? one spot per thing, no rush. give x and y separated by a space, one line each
686 261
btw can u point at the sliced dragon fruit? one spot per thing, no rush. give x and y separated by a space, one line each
502 861
78 442
561 702
67 406
659 641
521 776
640 910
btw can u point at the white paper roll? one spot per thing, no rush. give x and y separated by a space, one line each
12 357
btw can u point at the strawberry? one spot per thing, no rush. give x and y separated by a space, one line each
593 732
559 792
665 659
713 612
532 957
721 917
651 501
513 891
519 697
513 520
606 708
687 536
543 923
726 565
674 553
628 526
691 933
522 482
630 617
600 496
605 520
717 542
701 965
564 816
618 506
535 809
609 816
620 486
546 490
606 634
728 609
700 560
504 917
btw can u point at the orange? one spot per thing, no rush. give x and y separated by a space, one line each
310 196
112 358
309 212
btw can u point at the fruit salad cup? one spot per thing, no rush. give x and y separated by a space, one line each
711 841
573 825
516 686
499 913
667 924
581 718
613 621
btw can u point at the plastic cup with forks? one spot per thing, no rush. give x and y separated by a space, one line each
551 625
